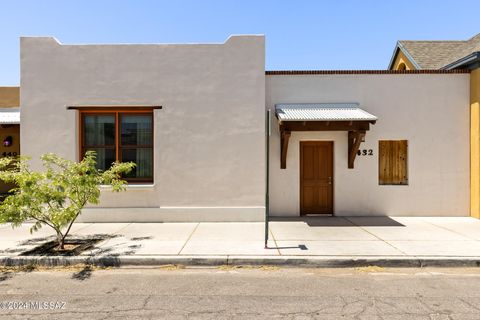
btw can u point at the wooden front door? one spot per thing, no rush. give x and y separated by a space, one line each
316 177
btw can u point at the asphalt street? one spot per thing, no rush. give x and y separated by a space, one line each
240 293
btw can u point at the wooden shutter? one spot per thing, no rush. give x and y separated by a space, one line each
393 157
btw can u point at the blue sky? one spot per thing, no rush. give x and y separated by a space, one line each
335 34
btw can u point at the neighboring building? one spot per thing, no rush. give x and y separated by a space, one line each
450 55
192 116
9 126
436 55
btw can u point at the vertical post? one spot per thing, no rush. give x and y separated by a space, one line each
267 175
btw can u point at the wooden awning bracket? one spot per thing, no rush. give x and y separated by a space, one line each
355 138
284 137
356 134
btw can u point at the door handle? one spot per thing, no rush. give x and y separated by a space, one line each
329 180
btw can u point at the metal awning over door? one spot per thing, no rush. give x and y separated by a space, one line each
323 117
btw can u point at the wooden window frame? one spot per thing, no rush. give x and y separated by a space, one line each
381 180
117 112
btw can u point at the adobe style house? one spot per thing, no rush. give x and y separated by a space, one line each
194 119
192 116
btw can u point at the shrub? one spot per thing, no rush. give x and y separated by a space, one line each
55 196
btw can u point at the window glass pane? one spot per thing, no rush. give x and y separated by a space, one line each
99 130
142 157
105 157
136 130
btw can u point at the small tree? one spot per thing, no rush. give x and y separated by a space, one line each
55 196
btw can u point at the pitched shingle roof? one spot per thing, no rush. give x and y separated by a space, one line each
438 54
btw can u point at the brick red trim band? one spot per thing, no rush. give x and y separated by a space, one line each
308 72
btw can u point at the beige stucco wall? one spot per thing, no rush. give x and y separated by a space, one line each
209 136
430 111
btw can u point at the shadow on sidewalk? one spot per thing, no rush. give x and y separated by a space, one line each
329 221
300 246
83 274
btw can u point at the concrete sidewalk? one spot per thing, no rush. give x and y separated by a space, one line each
316 241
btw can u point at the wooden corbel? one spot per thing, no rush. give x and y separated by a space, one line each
354 140
284 137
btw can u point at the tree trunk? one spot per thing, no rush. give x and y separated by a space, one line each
61 241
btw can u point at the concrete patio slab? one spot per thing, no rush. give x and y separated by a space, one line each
159 231
4 226
99 228
299 230
452 220
9 247
438 248
121 246
226 247
115 246
466 226
153 247
245 231
23 232
314 221
404 228
374 221
337 248
337 241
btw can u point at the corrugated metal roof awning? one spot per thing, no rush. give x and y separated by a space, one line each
323 117
322 112
10 116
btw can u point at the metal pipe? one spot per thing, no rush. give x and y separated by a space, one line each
267 175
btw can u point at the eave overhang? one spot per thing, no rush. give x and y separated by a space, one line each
468 62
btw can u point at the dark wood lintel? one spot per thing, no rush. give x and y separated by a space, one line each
326 125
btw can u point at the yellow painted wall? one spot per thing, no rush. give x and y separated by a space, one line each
9 97
402 59
475 143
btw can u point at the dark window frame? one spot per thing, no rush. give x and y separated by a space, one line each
117 113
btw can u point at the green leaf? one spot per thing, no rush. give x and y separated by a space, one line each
55 196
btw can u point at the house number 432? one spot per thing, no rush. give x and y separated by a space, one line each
365 152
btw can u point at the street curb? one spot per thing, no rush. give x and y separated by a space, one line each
283 261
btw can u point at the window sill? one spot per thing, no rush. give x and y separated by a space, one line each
139 187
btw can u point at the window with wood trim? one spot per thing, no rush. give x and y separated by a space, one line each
120 135
393 162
